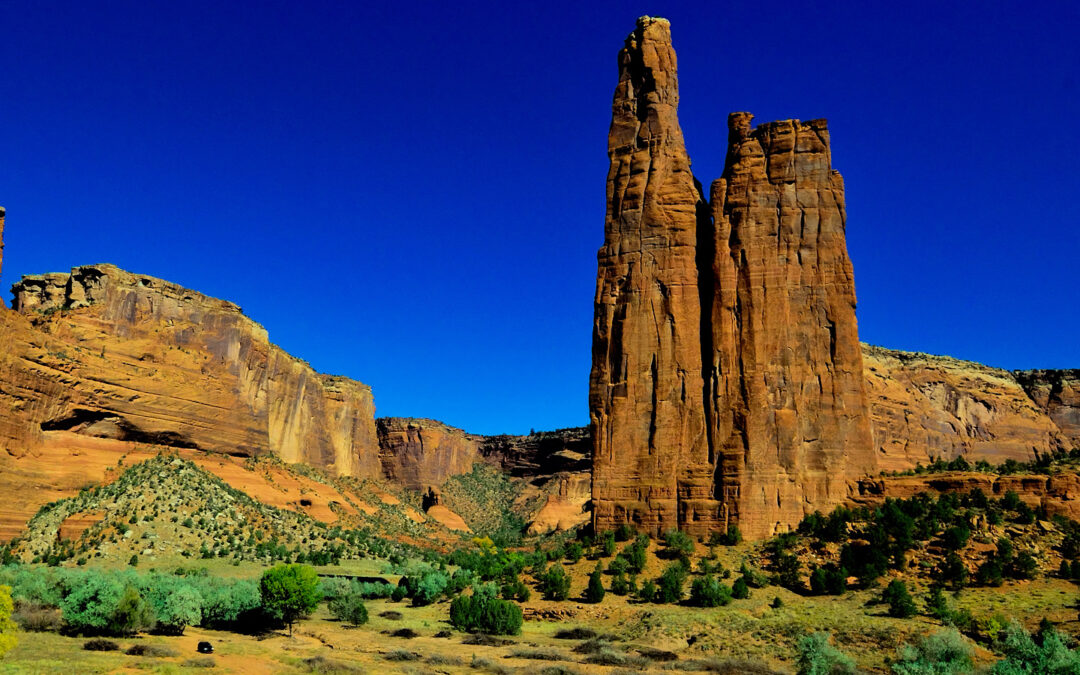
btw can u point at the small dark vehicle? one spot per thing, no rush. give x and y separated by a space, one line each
205 648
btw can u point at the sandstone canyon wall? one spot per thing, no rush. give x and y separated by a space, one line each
727 376
925 407
104 353
422 453
1057 393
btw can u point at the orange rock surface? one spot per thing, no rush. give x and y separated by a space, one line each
422 453
1056 392
924 407
646 405
105 353
727 377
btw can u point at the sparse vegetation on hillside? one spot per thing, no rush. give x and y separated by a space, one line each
487 500
170 506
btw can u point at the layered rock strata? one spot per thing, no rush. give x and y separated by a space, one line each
421 454
925 407
1056 392
104 353
727 376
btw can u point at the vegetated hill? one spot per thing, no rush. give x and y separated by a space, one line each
167 506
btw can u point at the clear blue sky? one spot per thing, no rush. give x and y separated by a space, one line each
412 194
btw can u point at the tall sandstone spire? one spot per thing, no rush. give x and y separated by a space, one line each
727 375
789 416
646 390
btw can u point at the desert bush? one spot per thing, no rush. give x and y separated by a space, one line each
538 655
636 555
575 634
943 653
659 655
677 544
153 651
391 615
485 640
488 666
200 662
707 591
100 645
754 578
401 655
1046 653
899 600
594 592
818 657
482 612
324 666
740 590
669 587
349 608
555 584
35 618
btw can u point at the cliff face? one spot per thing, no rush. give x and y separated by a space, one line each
421 453
727 376
104 353
646 390
924 407
1056 392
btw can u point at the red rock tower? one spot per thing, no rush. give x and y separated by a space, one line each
646 390
727 382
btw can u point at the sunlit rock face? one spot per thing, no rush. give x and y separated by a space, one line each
727 374
105 353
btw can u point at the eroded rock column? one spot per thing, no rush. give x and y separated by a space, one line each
646 388
788 409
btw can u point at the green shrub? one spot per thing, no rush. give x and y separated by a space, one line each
636 555
943 653
429 588
647 592
555 584
594 592
740 590
228 604
1049 654
677 544
482 612
349 608
176 606
92 604
899 600
706 591
669 587
289 592
818 657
